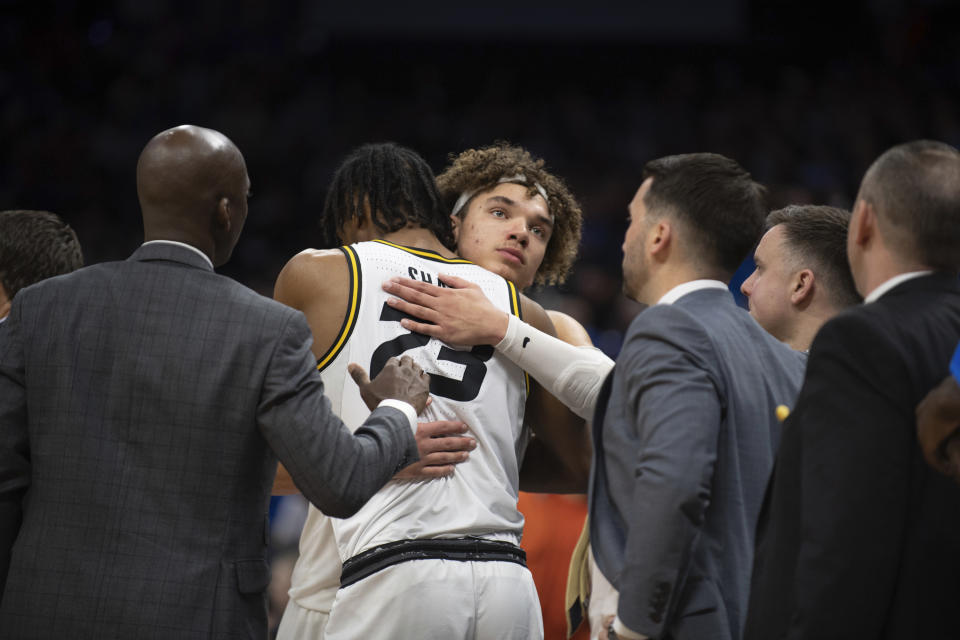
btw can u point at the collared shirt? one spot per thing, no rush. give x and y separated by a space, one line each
407 409
182 244
874 295
689 287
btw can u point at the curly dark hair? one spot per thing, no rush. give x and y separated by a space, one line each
476 170
400 189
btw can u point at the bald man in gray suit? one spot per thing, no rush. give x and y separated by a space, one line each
143 406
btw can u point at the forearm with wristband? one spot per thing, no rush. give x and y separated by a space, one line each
572 374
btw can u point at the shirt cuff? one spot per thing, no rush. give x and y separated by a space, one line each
624 632
405 407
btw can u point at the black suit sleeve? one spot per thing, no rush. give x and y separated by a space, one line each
336 470
857 446
14 450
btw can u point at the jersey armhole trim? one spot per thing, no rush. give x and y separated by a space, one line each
515 310
353 310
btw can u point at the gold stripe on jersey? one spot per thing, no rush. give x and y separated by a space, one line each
515 310
353 309
425 253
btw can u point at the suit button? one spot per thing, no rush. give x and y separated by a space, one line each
656 617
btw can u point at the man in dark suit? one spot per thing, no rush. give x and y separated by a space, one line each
686 430
859 536
143 406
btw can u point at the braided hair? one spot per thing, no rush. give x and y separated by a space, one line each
397 185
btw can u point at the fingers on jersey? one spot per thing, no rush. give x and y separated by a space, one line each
423 471
441 429
456 283
443 436
399 379
460 315
359 374
441 448
412 300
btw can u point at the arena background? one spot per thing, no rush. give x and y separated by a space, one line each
804 95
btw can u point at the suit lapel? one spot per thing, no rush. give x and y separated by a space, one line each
601 518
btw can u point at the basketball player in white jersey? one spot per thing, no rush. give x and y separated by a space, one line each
396 545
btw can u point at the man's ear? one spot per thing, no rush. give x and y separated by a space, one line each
455 220
659 238
223 219
863 223
802 286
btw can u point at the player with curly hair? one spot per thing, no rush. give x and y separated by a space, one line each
489 171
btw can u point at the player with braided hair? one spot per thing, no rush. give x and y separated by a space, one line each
397 187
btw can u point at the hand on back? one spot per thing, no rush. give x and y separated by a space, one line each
458 313
442 446
400 379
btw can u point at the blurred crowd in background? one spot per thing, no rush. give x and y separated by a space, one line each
804 98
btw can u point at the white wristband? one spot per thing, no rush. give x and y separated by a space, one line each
573 374
405 407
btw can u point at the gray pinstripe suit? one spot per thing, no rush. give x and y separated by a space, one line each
143 405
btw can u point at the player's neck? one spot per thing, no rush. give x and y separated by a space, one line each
420 238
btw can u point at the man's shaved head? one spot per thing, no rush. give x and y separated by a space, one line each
915 188
192 184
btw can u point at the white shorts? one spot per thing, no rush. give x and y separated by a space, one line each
299 623
439 600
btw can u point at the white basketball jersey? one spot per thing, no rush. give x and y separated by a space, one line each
474 385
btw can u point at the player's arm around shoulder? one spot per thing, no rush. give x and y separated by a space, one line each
569 330
542 470
563 432
314 282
